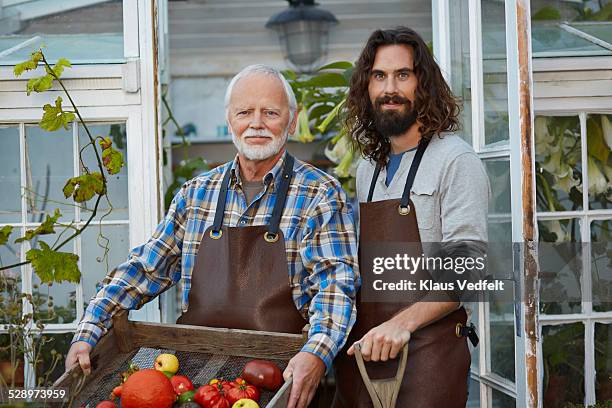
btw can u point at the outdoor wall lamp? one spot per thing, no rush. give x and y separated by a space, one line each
303 33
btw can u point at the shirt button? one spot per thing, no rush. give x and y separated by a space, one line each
243 222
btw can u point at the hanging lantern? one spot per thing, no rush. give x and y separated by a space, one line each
303 32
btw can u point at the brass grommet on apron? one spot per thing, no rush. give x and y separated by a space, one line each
270 237
215 235
403 210
458 328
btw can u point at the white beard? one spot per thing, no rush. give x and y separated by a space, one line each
259 152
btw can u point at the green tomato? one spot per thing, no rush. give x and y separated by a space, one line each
186 396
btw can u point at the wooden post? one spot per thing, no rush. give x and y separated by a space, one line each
530 254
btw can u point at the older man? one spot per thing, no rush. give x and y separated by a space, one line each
264 242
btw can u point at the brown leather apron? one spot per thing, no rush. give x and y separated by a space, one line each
438 360
240 279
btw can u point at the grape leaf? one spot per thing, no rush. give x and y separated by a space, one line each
59 66
47 227
5 232
40 84
83 188
54 266
55 117
28 65
111 158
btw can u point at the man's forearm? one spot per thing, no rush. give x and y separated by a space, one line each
424 313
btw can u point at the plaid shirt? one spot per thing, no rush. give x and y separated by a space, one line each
320 241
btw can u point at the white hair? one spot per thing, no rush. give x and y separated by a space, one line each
262 69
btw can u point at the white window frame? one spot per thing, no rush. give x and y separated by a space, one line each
136 104
509 149
586 216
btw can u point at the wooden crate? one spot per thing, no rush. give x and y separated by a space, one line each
127 337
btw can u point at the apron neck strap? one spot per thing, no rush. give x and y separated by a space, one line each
414 166
281 195
221 200
279 205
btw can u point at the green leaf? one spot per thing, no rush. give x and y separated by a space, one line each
331 116
55 117
83 188
546 13
54 266
328 80
58 68
289 75
28 65
111 158
336 65
40 84
47 227
5 232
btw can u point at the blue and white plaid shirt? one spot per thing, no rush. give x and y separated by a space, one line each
320 241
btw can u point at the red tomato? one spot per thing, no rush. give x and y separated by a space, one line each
240 389
116 391
263 374
180 383
213 396
106 404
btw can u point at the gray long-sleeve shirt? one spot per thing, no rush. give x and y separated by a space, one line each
450 192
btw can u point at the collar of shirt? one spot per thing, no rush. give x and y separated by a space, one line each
270 176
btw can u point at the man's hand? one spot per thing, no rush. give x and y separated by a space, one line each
382 342
306 370
79 352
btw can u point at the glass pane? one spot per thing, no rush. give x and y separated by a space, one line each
473 395
549 38
558 163
495 82
10 175
50 359
501 400
117 183
89 34
195 103
603 362
93 264
560 266
54 303
599 167
460 62
501 318
10 281
601 265
49 165
563 354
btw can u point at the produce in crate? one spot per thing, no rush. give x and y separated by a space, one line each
240 389
167 362
263 374
106 404
187 396
181 384
147 389
213 395
245 403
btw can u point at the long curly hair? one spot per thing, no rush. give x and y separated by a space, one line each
436 107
